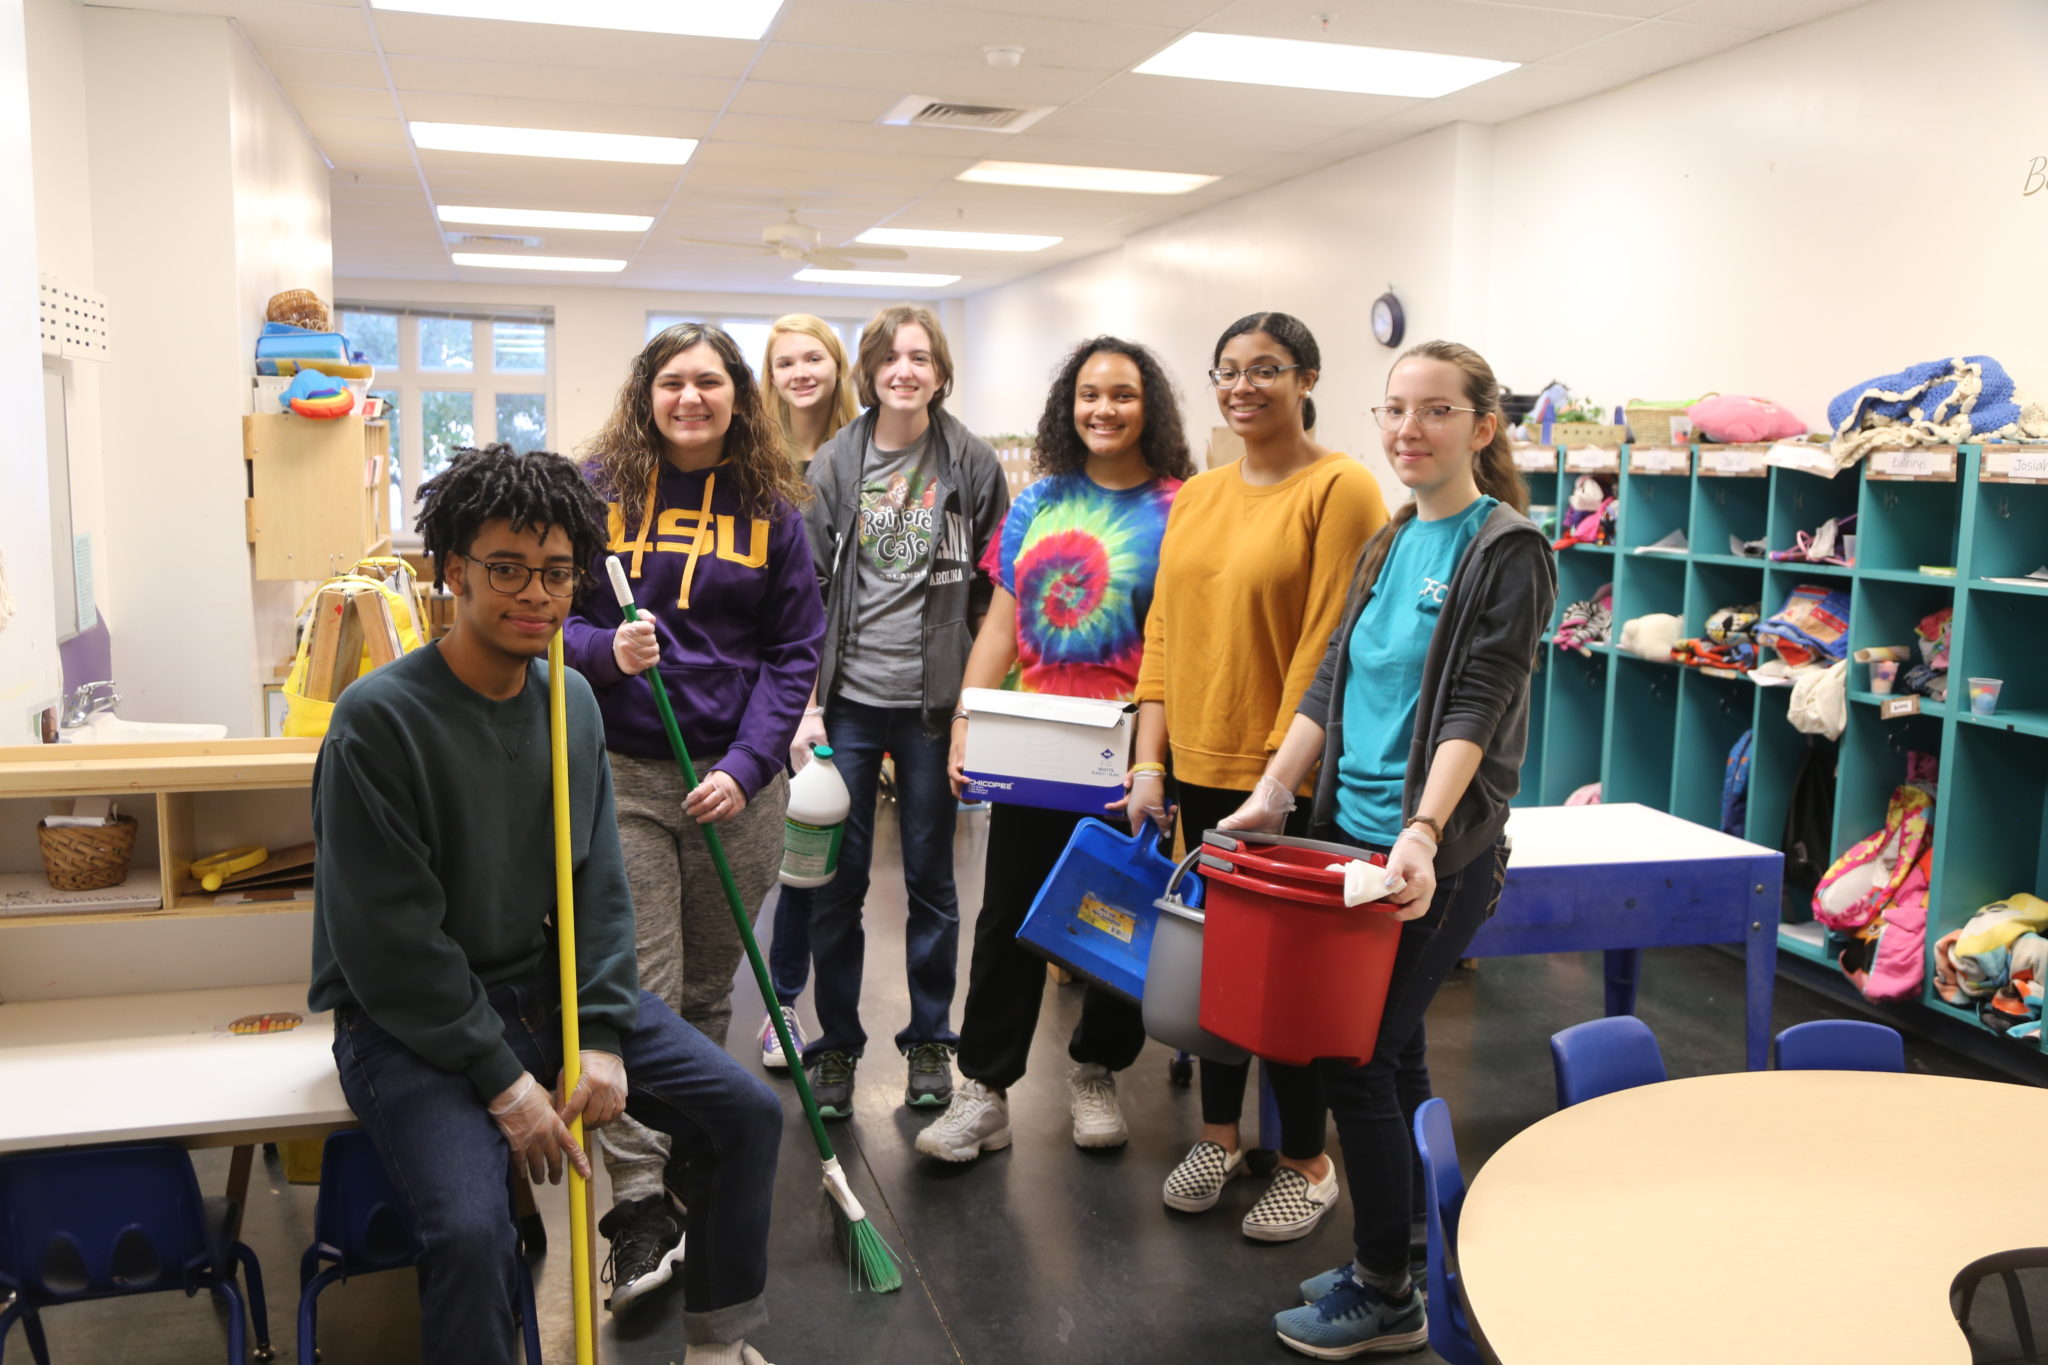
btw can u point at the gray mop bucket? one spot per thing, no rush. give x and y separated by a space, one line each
1173 979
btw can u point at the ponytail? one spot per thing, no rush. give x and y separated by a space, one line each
1308 413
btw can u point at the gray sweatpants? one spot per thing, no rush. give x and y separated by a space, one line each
683 933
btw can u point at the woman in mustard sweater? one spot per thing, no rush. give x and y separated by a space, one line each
1251 584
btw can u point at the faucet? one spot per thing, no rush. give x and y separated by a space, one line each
84 703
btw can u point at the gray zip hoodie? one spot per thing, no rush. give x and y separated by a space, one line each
973 499
1475 683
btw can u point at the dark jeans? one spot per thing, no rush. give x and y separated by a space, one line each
789 951
1006 981
446 1156
931 936
1304 1124
1375 1104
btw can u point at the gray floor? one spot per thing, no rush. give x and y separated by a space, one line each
1039 1253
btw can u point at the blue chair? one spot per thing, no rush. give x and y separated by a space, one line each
1450 1327
1602 1056
1841 1045
362 1225
106 1222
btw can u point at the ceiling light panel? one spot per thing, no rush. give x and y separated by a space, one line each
590 264
747 19
546 218
553 142
1108 179
956 241
1299 65
907 279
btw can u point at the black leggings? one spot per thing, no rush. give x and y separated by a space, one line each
1375 1104
1304 1123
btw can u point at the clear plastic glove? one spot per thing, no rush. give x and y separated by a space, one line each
1145 799
1413 860
635 648
718 797
535 1132
956 760
600 1093
810 731
1265 809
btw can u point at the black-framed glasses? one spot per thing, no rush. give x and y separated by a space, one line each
1429 415
558 580
1260 375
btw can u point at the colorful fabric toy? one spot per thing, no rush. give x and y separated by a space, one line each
1812 627
313 394
1937 402
1733 418
1822 547
1738 656
1589 515
1587 623
1862 883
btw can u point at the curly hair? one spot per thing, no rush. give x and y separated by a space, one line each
1161 440
627 452
537 491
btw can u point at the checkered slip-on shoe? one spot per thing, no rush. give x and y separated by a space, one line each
1198 1181
1291 1206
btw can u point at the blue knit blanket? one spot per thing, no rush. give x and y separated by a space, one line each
1936 392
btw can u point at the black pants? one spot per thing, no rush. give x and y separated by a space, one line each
1304 1123
1006 981
1375 1104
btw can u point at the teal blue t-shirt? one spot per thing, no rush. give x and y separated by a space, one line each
1388 647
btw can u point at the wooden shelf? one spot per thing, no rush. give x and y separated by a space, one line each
193 766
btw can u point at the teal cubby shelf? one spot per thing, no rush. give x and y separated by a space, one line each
1659 733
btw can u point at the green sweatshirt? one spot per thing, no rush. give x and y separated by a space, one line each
434 816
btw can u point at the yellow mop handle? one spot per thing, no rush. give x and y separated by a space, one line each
572 1049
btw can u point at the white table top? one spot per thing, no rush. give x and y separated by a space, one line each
124 1067
1694 1221
1557 836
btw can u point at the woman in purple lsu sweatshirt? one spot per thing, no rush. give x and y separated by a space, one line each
705 514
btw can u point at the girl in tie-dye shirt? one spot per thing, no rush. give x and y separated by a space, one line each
1073 565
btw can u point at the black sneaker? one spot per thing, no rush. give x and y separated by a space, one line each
646 1247
931 1076
831 1078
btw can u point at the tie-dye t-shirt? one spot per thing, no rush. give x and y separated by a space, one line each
1080 560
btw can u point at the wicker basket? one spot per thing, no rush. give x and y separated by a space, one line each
1587 434
1651 422
300 308
87 857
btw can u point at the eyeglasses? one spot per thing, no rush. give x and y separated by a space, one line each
1430 416
509 578
1261 375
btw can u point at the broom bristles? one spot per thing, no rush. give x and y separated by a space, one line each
870 1262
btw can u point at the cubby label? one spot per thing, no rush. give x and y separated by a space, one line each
1937 463
1891 708
1802 456
1540 459
1659 460
1743 463
2016 466
1592 460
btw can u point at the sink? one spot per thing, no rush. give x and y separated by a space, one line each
107 728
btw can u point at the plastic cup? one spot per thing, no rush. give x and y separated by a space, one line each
1882 674
1984 695
1849 548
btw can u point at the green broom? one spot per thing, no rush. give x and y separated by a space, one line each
870 1259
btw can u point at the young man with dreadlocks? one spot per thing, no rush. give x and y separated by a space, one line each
433 940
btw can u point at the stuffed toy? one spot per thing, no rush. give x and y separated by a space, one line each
1734 419
313 394
1588 517
1651 637
1586 623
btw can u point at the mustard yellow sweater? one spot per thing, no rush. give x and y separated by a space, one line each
1251 585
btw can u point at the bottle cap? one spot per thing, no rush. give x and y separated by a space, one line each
822 750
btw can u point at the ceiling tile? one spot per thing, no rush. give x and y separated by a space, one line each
772 99
1518 92
553 45
865 137
1658 44
351 156
459 76
311 66
1202 104
350 101
750 175
1162 129
466 177
332 27
900 165
1764 14
334 130
1467 28
1158 13
1626 9
951 31
907 74
522 111
1129 156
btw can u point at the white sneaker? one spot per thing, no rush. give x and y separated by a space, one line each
1195 1185
977 1121
1291 1206
771 1045
1098 1122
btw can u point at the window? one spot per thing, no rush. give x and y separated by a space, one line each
751 334
450 382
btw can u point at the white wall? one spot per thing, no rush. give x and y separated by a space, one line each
29 672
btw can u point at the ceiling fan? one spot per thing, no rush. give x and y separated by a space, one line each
794 241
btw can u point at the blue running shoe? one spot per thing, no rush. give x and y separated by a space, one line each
1313 1289
1353 1320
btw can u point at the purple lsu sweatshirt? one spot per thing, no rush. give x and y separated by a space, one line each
734 601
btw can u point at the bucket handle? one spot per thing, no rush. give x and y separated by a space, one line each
1180 870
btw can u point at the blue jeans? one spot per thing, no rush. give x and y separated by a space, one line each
789 949
447 1158
931 936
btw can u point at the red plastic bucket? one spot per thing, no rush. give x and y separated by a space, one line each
1288 972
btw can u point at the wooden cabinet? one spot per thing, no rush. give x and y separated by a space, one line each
319 493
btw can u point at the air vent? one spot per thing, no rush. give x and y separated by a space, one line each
922 111
461 240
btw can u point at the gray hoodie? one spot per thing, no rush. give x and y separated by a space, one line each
973 499
1475 683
